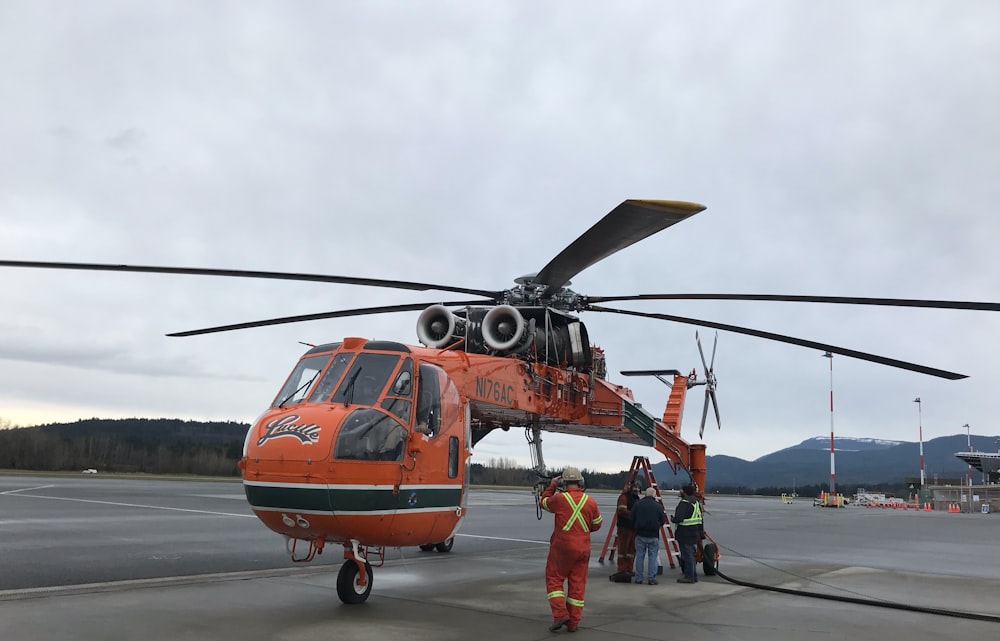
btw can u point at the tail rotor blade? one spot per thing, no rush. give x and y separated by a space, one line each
715 405
697 339
704 415
715 343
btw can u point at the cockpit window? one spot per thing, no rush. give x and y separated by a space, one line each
369 435
300 380
429 400
366 379
398 395
330 377
403 385
438 401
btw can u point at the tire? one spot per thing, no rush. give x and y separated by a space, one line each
347 583
709 563
428 547
445 546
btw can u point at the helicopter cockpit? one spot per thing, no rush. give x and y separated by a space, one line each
382 402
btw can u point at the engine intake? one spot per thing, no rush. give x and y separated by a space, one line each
504 329
437 327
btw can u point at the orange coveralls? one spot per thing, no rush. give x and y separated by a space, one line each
626 533
576 516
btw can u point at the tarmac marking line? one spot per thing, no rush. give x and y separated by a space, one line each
501 538
27 489
149 507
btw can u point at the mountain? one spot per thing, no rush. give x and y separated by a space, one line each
859 461
844 444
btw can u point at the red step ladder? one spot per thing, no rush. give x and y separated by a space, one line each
641 464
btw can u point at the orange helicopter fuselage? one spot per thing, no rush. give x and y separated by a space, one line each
334 461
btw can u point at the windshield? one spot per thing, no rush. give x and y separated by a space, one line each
330 377
364 382
301 379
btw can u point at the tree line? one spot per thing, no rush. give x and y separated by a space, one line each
174 446
135 445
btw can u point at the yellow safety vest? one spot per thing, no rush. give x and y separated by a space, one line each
695 518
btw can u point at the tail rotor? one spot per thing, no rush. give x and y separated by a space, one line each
710 384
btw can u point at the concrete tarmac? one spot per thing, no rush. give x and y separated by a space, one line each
491 585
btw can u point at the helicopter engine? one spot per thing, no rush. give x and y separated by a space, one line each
550 336
505 330
437 327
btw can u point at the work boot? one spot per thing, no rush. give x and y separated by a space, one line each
684 579
638 581
571 627
558 624
653 582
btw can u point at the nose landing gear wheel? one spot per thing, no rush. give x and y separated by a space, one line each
428 547
445 546
348 588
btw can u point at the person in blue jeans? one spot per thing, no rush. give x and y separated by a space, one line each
687 517
649 517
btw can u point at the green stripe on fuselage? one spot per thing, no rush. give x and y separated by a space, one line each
322 499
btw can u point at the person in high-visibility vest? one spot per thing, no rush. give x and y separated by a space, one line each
576 516
687 517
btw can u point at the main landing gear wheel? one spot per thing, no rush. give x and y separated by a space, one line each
709 563
348 588
444 546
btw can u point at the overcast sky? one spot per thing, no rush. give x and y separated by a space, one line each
846 148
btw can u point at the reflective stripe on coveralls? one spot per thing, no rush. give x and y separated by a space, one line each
576 515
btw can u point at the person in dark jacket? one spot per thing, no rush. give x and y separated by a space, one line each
687 517
626 529
648 516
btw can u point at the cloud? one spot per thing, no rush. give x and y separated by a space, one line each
840 151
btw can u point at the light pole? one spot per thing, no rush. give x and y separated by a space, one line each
968 439
920 422
833 469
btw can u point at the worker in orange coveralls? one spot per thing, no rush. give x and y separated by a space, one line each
626 528
576 516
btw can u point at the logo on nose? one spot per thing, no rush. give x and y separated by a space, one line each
286 426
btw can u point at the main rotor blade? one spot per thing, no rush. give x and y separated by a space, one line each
363 311
865 356
625 225
849 300
241 273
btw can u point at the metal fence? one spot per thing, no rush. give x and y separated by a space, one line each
980 497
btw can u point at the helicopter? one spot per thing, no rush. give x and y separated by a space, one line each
368 443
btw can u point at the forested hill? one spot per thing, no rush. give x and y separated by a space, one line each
173 446
154 446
